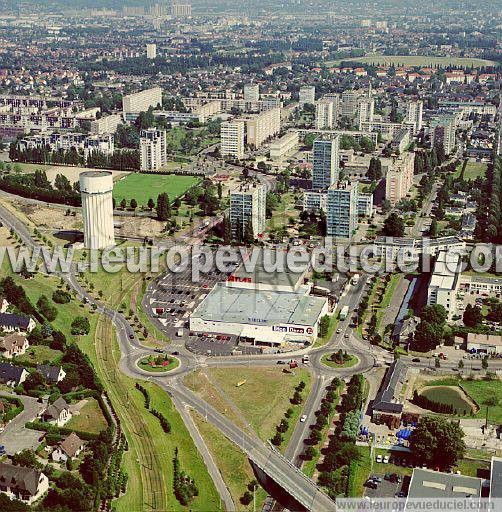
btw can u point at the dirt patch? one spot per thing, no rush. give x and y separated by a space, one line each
139 227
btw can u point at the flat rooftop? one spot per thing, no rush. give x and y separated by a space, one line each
496 478
259 260
433 484
259 307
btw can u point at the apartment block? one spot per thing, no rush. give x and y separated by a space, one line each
232 139
261 127
325 163
341 210
133 104
307 95
349 103
315 201
251 92
151 51
399 177
365 111
153 149
443 133
401 140
414 112
106 124
365 205
325 115
181 10
247 208
284 147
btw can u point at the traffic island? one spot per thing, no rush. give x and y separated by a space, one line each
339 360
161 363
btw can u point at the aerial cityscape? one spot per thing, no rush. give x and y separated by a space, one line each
250 255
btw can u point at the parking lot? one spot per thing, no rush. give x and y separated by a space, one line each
174 298
387 485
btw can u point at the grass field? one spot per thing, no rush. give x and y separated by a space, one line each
148 462
332 364
90 419
472 171
359 472
232 463
40 354
416 60
145 186
264 398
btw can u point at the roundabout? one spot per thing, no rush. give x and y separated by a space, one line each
158 363
339 360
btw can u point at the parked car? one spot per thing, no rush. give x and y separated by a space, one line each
416 360
379 458
303 418
386 459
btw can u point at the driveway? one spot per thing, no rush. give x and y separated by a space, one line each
16 437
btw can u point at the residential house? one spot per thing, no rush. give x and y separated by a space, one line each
14 344
68 449
10 322
50 373
24 484
57 413
12 375
404 331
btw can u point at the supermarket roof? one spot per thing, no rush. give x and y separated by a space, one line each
260 307
433 484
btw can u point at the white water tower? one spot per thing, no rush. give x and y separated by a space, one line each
96 189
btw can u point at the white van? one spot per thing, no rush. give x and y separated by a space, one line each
179 333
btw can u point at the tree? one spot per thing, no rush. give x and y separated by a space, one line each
33 381
123 204
492 401
484 362
393 225
437 442
323 326
151 204
163 207
460 364
26 458
310 453
80 326
46 309
472 316
427 337
435 314
134 204
246 498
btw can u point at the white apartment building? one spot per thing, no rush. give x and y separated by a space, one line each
153 149
443 133
248 207
261 127
414 113
251 92
365 111
133 104
151 51
232 139
399 177
103 143
106 124
315 201
307 95
365 205
284 147
325 115
181 10
349 103
325 163
444 283
342 210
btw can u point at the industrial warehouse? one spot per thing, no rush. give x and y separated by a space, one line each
262 308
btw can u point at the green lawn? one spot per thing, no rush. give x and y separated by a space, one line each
472 171
89 419
333 324
145 186
40 354
265 396
332 364
416 60
359 472
386 300
232 463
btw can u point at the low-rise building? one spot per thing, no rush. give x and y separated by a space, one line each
51 373
21 483
57 413
68 449
10 322
14 344
11 375
484 343
284 147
